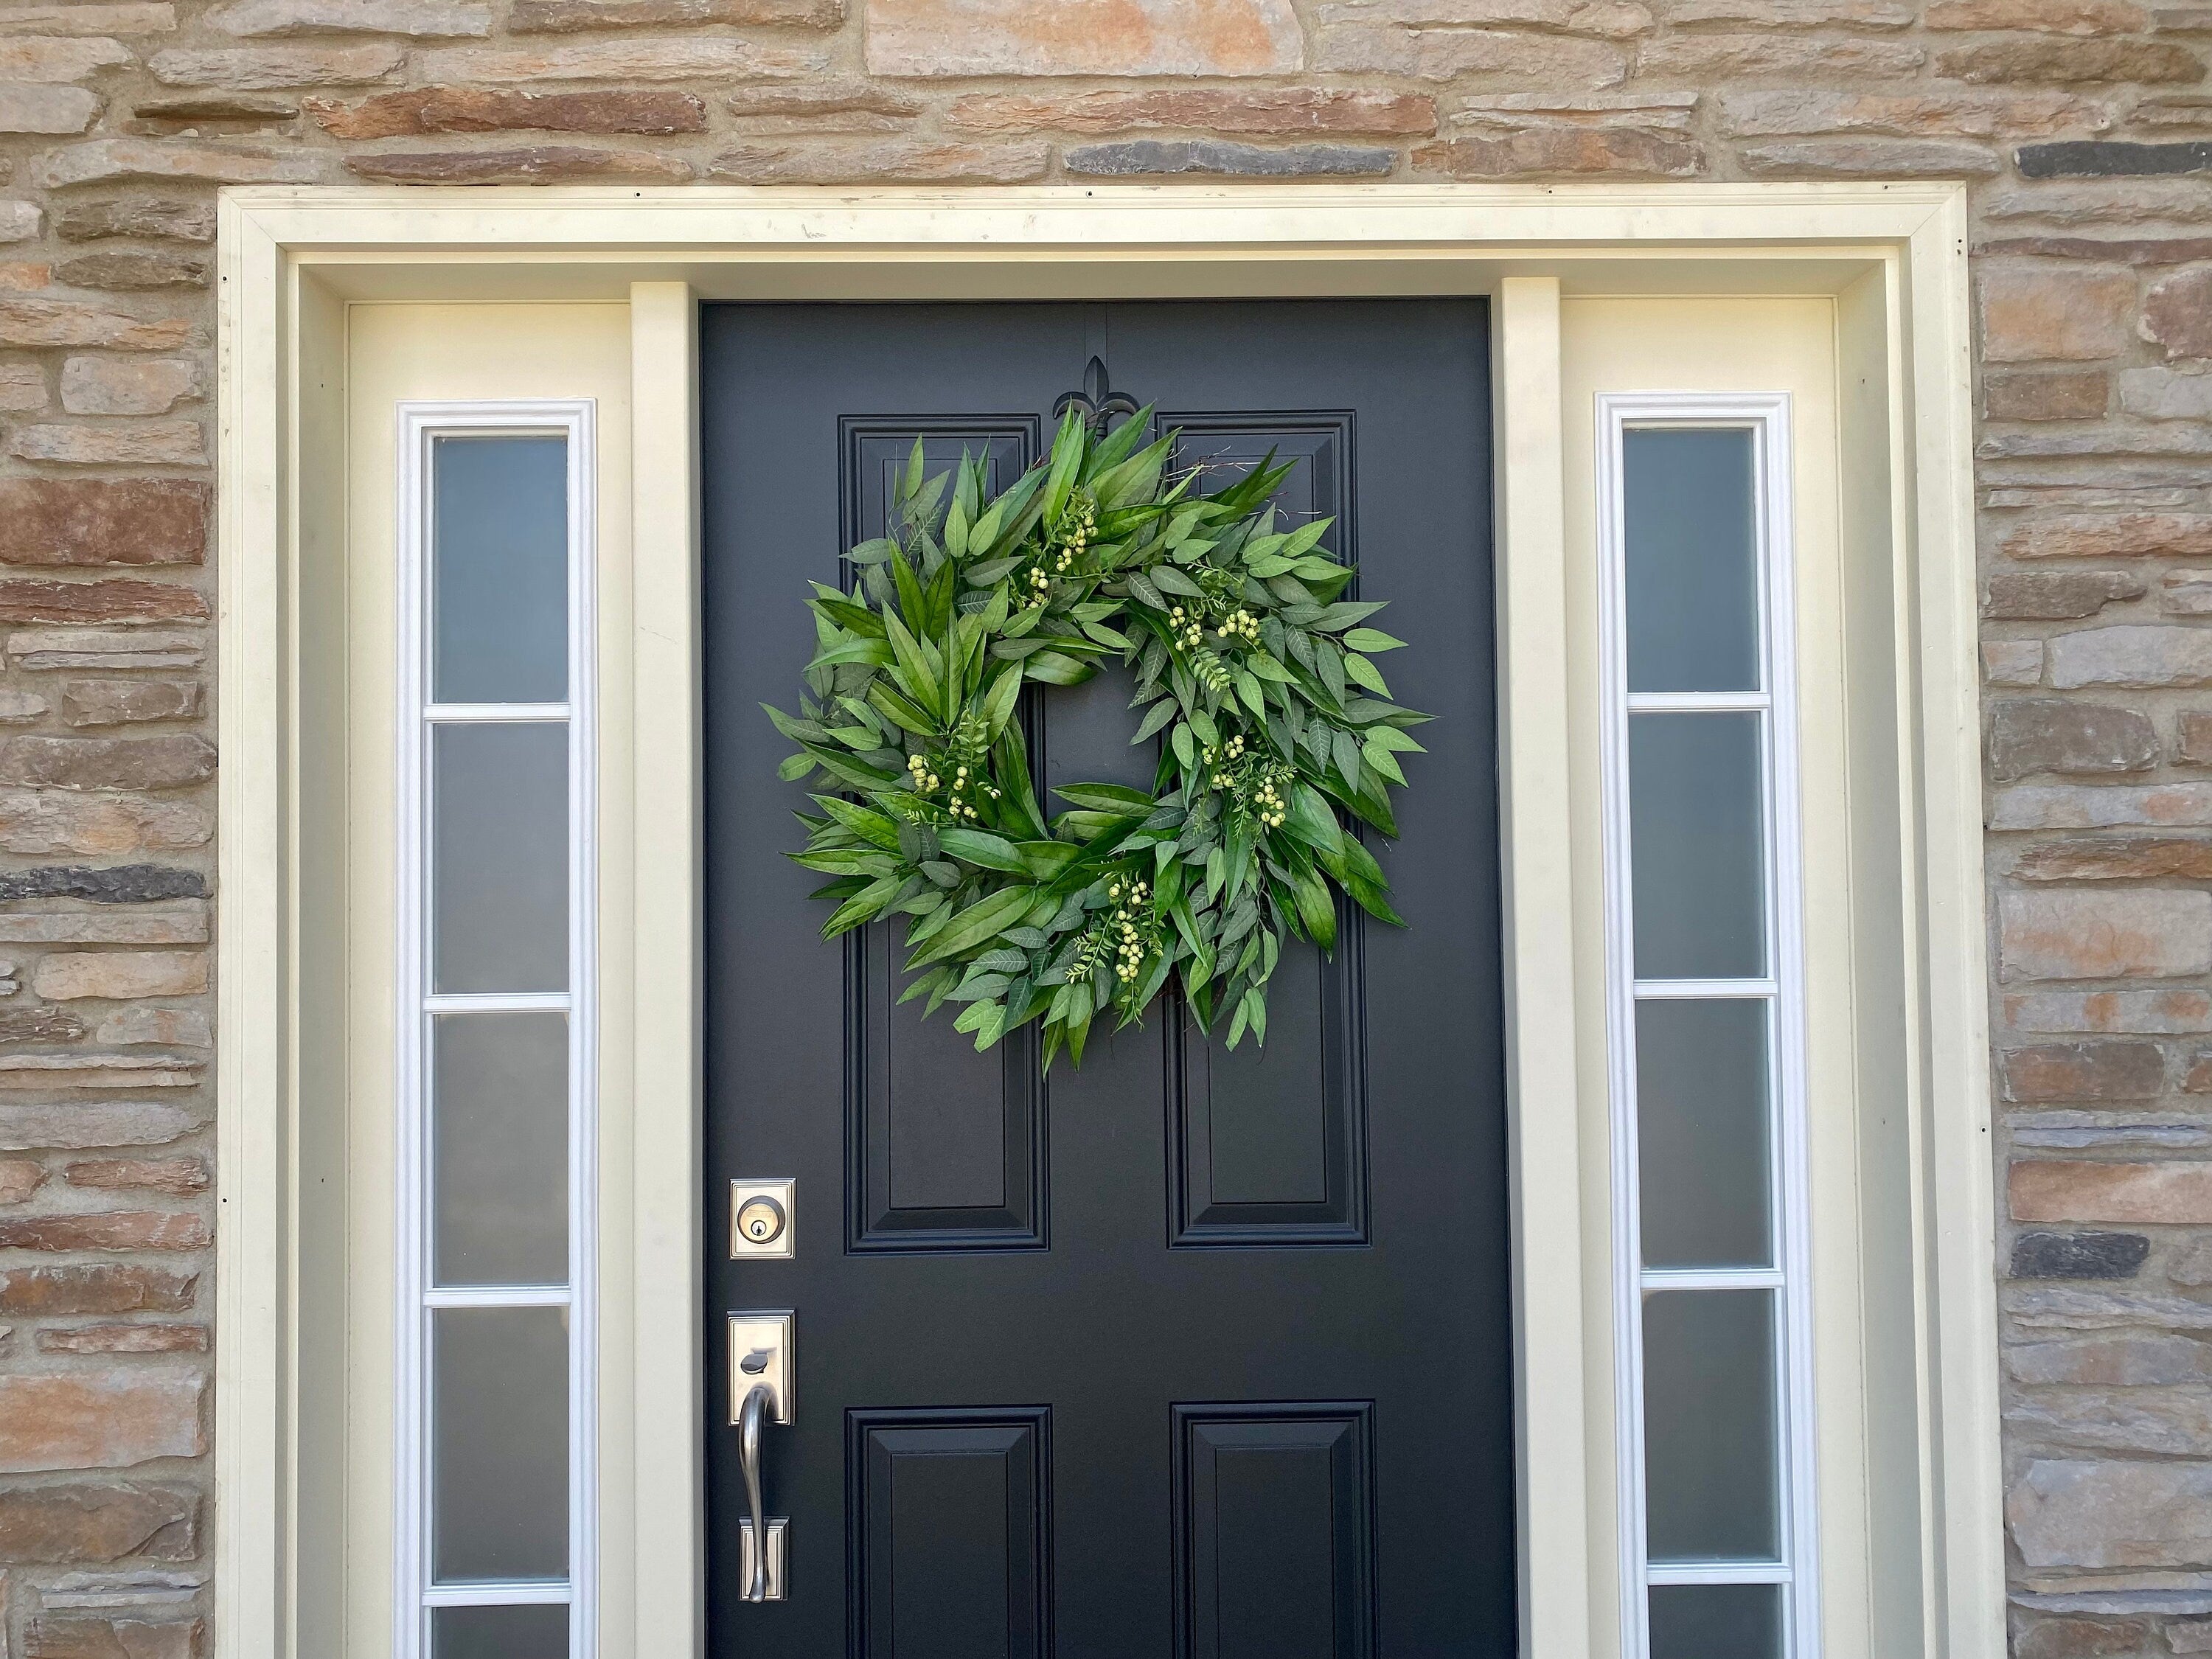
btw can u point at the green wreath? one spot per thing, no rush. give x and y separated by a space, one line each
1278 725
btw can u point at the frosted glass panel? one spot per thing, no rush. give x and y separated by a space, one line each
1688 526
499 1633
1709 1425
499 857
1715 1621
498 1412
499 585
1697 845
499 1103
1701 1112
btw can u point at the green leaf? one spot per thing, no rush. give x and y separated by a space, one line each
1383 761
1141 589
1046 859
981 847
795 766
1345 613
971 926
1105 797
876 651
1185 745
874 552
1389 737
1358 669
920 677
1056 668
1372 639
1155 717
870 826
1000 702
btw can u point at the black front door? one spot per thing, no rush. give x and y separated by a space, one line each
1190 1353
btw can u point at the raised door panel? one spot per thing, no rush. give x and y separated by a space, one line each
945 1146
1275 1531
948 1524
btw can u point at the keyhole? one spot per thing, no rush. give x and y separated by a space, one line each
760 1220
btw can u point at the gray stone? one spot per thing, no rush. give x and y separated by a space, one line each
2166 394
114 160
2031 595
413 17
2171 1422
2110 806
2101 1310
2131 654
1151 156
2078 1255
2094 157
252 67
121 884
2070 1513
1867 158
46 109
176 220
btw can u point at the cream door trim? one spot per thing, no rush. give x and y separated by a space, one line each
1892 255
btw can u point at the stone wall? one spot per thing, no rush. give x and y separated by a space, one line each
2085 127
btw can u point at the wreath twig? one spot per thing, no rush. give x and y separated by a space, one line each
1279 733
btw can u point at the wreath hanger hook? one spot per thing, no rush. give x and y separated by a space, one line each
1097 400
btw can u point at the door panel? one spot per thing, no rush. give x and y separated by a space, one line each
1188 1351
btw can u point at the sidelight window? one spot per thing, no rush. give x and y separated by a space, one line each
1713 1328
495 1213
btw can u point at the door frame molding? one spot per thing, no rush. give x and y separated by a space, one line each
291 260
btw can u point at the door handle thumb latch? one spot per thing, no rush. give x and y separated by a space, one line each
760 1394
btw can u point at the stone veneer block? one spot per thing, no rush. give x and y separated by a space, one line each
1082 37
88 1422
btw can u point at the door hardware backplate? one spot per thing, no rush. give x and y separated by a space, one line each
746 1198
777 1529
760 1353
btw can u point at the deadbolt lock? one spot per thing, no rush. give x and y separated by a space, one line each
760 1219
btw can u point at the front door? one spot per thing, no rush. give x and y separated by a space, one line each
1190 1353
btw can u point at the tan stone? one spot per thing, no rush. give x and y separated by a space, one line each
2057 395
426 110
2185 594
2107 1071
155 443
19 1178
818 100
687 58
1933 113
16 705
537 164
99 647
139 1024
2189 1635
2053 595
1870 158
87 1288
46 1072
1708 58
1446 54
43 821
565 16
136 269
2194 735
2013 662
894 158
73 1636
412 17
250 67
2118 857
184 220
169 762
2166 394
123 702
105 1230
70 521
46 109
107 924
2145 932
2048 16
22 388
130 17
2118 1361
128 386
2112 1514
2076 1190
2031 314
2061 62
116 161
30 1127
39 57
1794 14
88 1422
97 1524
1082 37
1668 112
27 321
19 221
1282 110
39 1025
2177 314
1614 18
33 599
2054 734
1563 150
181 1175
120 974
207 114
125 1339
2125 535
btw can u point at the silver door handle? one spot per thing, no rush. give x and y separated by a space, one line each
749 1451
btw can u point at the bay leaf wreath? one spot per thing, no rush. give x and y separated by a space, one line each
1279 733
